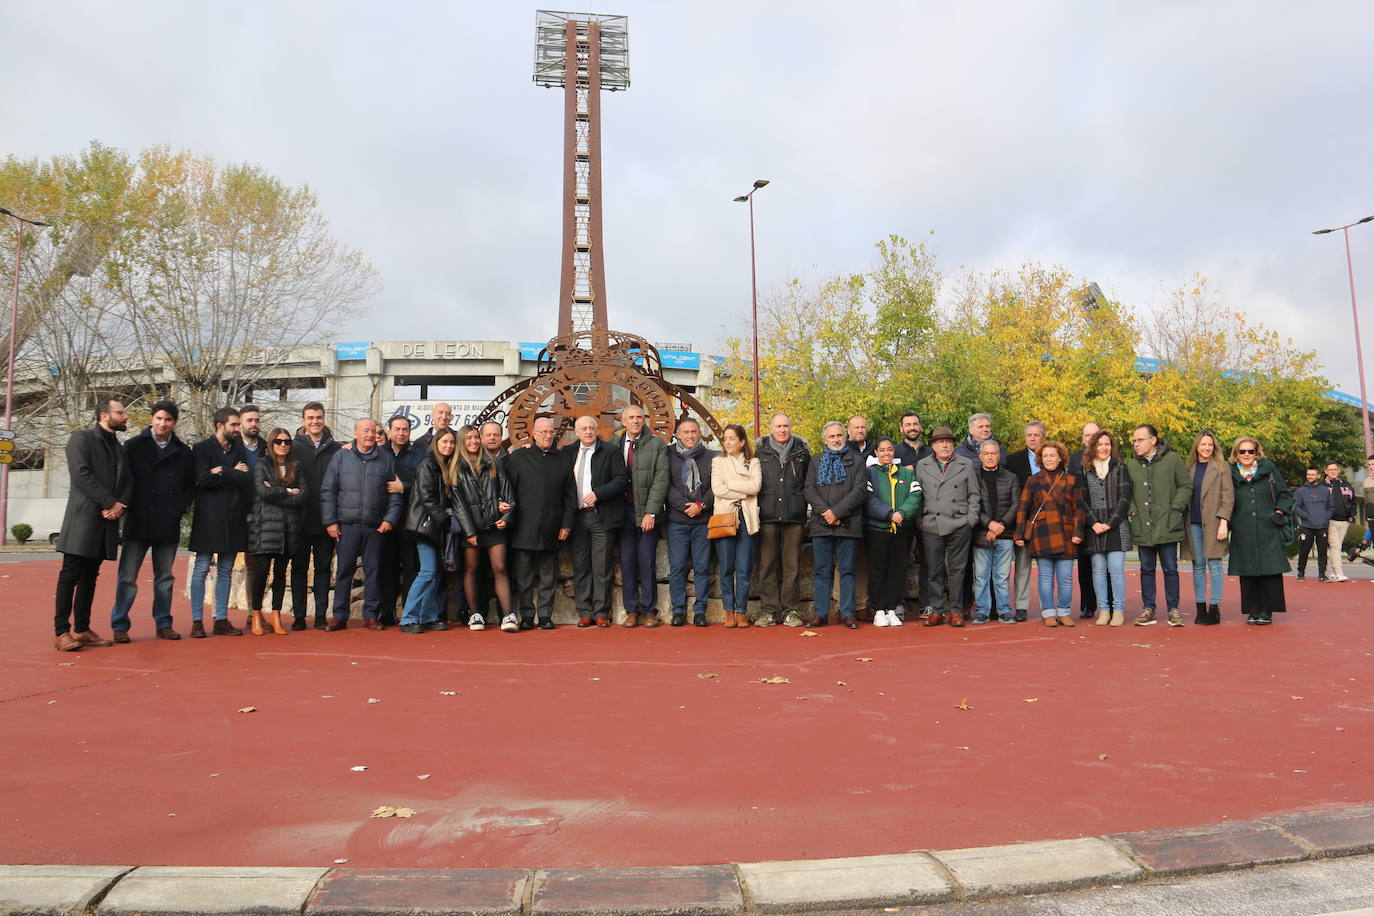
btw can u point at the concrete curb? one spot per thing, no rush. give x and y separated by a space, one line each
870 882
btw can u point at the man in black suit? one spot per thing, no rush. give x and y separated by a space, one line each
600 478
1024 465
312 449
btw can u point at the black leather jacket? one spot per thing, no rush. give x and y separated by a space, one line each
430 500
480 495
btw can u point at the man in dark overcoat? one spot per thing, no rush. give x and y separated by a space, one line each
219 528
545 504
100 493
313 449
164 483
601 479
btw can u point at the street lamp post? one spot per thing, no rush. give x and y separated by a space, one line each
1355 314
9 375
754 282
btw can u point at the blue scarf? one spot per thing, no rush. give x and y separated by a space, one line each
831 469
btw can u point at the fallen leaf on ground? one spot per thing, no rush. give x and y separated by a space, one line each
66 664
809 633
340 861
389 811
963 704
707 675
1141 645
841 684
774 680
249 709
373 700
961 747
448 693
864 659
358 769
1291 697
1031 700
1102 756
423 776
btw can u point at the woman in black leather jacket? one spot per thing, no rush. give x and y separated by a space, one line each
427 517
486 498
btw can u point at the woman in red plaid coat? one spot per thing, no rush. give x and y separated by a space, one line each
1049 523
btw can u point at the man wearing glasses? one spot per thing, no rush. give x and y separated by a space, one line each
1162 489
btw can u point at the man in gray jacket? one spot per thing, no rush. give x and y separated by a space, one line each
1312 505
947 518
357 508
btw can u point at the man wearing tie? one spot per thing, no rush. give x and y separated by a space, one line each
601 480
646 460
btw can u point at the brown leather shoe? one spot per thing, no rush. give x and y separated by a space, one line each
91 638
255 622
729 620
225 628
197 630
584 622
742 619
67 643
336 623
374 624
168 633
817 622
631 621
1067 621
651 620
121 637
956 619
603 622
935 620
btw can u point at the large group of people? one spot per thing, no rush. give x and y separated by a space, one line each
447 523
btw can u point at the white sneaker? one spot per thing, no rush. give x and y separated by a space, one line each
893 619
510 623
880 618
477 622
1341 579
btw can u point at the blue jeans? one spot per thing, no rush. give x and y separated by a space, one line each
1205 569
735 560
425 601
688 543
992 576
1167 555
224 580
1111 565
1055 571
827 550
130 563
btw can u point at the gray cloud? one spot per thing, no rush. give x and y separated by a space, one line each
1134 143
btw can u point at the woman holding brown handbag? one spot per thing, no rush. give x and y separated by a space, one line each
735 481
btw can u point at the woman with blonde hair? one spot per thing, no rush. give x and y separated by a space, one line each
1259 531
427 517
736 477
1209 519
486 499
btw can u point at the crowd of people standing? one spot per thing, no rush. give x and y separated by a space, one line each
445 524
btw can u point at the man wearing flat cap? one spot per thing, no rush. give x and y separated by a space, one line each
947 518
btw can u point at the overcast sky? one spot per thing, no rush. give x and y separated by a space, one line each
1134 143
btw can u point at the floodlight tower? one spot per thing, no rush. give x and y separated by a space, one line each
582 53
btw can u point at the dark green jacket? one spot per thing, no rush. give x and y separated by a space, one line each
1256 542
1160 493
648 474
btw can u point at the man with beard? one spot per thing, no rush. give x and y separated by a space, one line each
101 490
219 529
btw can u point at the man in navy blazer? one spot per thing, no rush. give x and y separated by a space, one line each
600 478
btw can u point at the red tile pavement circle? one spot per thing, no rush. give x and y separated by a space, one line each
581 748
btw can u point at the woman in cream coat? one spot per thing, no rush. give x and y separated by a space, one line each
735 481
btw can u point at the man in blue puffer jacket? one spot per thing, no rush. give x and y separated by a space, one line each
357 508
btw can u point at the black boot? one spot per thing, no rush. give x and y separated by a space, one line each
1201 618
1213 614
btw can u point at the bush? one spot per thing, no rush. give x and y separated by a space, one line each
22 532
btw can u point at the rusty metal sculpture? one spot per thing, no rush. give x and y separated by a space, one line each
588 369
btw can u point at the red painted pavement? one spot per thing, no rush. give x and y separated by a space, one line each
592 747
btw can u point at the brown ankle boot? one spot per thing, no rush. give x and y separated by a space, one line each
729 620
276 624
742 619
255 622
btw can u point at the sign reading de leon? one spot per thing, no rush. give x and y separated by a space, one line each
440 349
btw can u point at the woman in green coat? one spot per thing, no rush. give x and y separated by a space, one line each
1263 503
